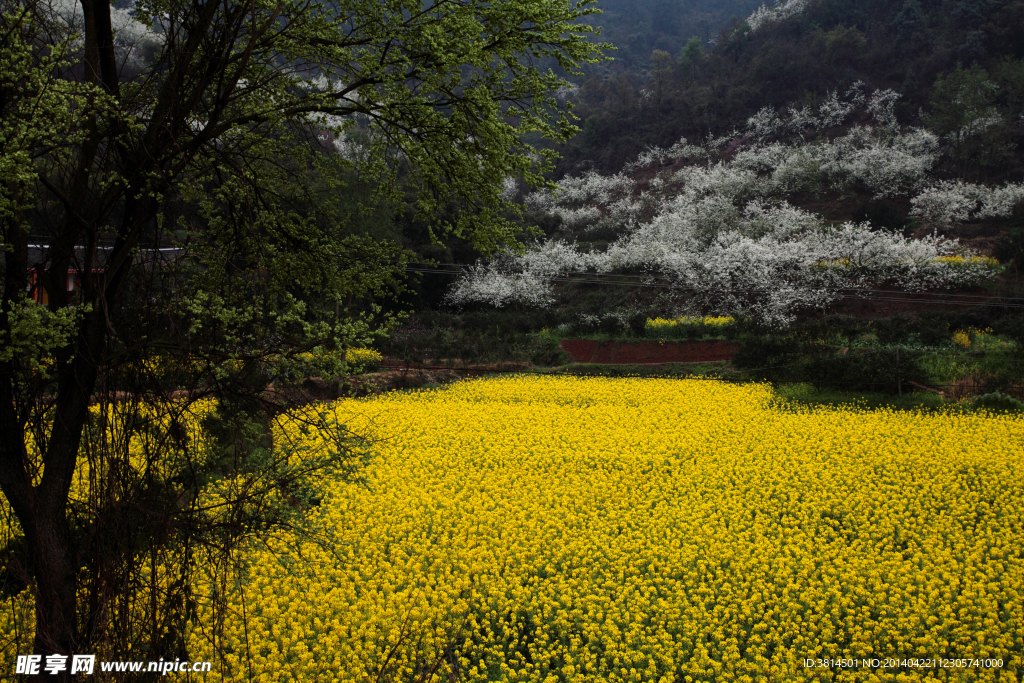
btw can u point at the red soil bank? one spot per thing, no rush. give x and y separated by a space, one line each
591 351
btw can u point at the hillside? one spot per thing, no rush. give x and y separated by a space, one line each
637 27
796 56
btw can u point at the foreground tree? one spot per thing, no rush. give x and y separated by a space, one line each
185 163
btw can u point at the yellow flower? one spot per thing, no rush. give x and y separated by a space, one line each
590 530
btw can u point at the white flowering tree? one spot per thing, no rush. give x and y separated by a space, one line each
949 202
780 11
726 241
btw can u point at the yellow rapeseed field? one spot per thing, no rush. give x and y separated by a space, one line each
657 325
560 529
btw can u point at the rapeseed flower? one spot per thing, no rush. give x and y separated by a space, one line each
570 529
562 529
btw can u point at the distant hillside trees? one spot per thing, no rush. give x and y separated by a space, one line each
795 53
718 231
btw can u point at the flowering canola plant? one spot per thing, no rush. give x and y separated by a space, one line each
666 324
569 529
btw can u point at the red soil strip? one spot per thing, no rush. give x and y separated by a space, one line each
592 351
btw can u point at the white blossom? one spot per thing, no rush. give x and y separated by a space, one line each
510 187
591 187
979 125
782 10
948 202
888 166
723 236
518 279
487 285
764 124
566 91
882 107
833 111
129 33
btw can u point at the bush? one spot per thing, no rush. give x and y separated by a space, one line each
1012 326
547 351
762 356
892 330
638 324
877 371
882 214
781 359
998 401
846 327
933 328
612 324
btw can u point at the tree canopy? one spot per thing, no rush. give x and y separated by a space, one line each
176 206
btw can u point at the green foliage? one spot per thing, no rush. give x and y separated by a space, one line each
37 107
882 371
32 334
963 107
691 53
844 44
787 360
637 323
766 354
909 25
882 214
840 328
636 27
281 480
807 394
547 351
998 402
892 330
691 329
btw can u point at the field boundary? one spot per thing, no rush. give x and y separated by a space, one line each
648 352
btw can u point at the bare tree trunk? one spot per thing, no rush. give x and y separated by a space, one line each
54 573
42 509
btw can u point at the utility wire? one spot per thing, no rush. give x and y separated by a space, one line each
981 300
647 278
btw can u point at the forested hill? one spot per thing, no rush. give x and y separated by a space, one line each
794 55
638 27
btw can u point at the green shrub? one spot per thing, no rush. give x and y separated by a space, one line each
782 359
547 351
1012 326
877 371
762 356
637 323
933 329
998 401
892 330
612 324
844 327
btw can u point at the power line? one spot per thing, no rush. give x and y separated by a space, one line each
646 278
860 294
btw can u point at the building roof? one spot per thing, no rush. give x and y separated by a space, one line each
39 256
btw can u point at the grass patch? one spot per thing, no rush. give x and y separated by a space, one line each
806 394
